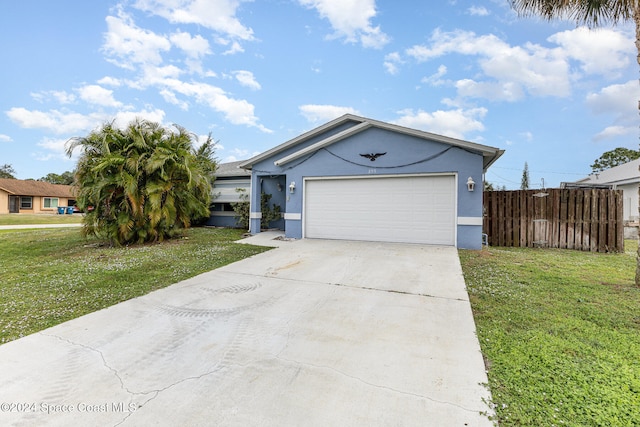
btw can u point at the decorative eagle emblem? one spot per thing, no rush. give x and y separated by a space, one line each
373 156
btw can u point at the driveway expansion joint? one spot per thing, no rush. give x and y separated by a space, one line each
343 285
393 291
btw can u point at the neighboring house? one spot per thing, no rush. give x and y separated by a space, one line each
625 177
356 178
18 196
229 177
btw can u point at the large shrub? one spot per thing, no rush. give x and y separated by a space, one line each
143 183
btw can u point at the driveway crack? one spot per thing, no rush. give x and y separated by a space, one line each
378 386
151 394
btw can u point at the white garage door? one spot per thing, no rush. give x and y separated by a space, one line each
411 209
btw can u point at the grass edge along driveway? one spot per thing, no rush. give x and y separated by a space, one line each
49 276
560 334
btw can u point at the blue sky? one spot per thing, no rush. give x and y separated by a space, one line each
255 74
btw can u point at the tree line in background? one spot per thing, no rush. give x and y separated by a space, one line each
608 160
66 178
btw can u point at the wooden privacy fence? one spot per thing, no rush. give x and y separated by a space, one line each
582 219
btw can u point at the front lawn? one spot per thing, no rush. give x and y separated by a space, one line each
49 276
45 218
560 333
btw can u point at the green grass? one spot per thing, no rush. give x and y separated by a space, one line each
560 333
48 218
49 276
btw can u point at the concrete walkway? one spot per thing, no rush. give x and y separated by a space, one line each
313 333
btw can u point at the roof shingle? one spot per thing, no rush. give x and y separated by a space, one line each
18 187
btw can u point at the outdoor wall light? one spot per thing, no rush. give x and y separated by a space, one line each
471 185
292 187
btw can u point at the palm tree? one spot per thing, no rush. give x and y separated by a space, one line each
141 184
592 13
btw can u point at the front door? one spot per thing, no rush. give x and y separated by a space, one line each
13 204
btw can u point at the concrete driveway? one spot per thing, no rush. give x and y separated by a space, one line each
313 333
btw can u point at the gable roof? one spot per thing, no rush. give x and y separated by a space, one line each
489 154
627 173
18 187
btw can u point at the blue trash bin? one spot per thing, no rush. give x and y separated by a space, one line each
60 210
69 210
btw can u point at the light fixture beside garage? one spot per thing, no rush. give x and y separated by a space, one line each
292 187
471 185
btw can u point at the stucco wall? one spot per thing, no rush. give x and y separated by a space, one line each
37 205
405 154
4 202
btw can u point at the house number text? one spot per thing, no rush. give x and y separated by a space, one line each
372 171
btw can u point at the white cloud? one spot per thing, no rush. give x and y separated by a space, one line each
141 51
236 111
351 19
238 154
615 131
59 96
503 91
246 78
5 138
110 81
217 15
235 48
511 70
55 149
600 51
324 113
528 136
126 44
171 98
55 121
194 47
123 118
509 73
435 79
478 11
391 62
621 101
453 123
616 99
97 95
73 123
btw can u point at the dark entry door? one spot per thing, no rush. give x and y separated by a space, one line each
13 204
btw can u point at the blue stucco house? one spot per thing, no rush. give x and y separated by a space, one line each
356 178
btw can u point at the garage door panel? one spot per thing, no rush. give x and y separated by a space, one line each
418 209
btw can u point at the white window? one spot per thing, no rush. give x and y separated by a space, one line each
50 202
26 202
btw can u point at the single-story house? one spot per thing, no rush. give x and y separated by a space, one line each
625 177
28 196
355 178
229 178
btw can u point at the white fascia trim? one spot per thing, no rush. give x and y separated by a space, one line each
397 175
255 215
293 216
324 143
470 220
